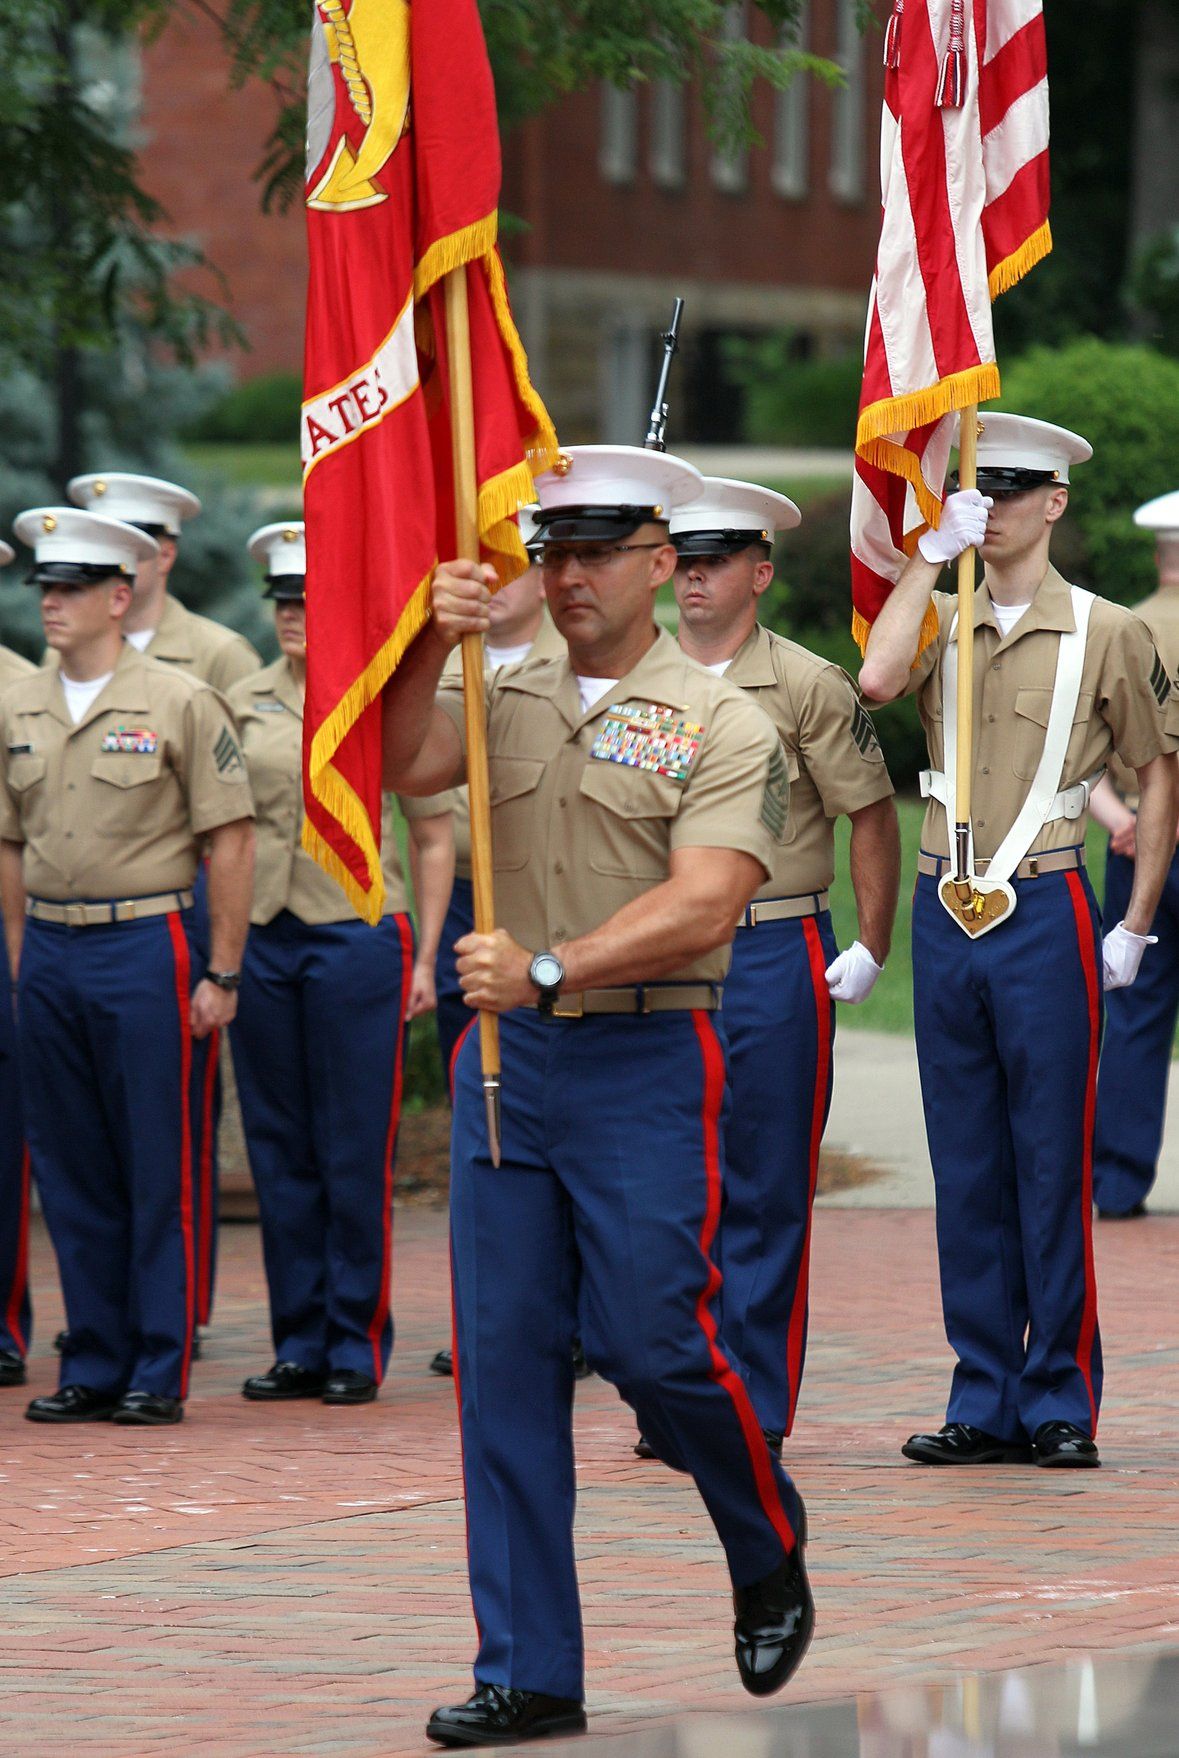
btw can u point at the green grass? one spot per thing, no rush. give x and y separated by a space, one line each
249 466
890 1006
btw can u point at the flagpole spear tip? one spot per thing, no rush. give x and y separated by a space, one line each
491 1101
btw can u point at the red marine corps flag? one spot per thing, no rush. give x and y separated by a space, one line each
403 176
964 188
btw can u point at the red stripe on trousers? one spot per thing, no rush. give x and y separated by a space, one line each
205 1242
1087 944
722 1372
454 1054
818 965
381 1311
20 1275
182 966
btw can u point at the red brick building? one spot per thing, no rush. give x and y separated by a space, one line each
626 202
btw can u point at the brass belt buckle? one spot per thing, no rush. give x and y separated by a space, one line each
75 915
566 1007
642 1004
1033 867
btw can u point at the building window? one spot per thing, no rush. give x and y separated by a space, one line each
730 164
618 150
847 123
668 134
790 170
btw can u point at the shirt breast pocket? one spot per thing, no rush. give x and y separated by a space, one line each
129 786
1032 708
629 815
514 781
24 772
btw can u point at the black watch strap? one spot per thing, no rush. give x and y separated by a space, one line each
548 974
224 979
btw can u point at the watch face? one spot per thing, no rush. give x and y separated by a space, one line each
547 971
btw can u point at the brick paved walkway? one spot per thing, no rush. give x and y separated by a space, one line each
290 1580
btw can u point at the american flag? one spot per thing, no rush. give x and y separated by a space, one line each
964 194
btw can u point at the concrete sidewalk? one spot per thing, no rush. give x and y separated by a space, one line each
291 1579
876 1115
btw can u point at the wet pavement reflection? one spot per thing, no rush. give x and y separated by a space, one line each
1118 1706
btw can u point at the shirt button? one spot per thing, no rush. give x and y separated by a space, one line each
990 717
558 866
561 800
998 665
981 823
985 770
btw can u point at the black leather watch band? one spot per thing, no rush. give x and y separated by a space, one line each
224 979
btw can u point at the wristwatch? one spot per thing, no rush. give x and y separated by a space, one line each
548 974
224 979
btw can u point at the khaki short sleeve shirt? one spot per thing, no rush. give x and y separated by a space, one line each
833 758
549 644
117 806
1123 707
587 808
198 645
269 711
13 666
1160 613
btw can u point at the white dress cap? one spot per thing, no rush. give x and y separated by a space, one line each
526 519
1160 514
729 505
281 549
138 500
1018 442
619 476
7 553
65 535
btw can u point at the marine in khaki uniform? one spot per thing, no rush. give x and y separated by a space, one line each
1009 1021
16 1313
786 969
159 625
320 1119
1139 1021
637 804
113 772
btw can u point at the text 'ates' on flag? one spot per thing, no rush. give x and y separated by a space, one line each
964 197
403 180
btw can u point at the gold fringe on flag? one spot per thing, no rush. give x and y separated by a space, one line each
1013 268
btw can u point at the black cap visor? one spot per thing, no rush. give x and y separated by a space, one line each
76 574
590 524
994 479
727 542
156 531
285 587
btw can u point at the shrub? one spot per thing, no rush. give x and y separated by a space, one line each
791 401
1125 400
263 411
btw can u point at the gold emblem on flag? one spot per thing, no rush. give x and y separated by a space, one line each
369 43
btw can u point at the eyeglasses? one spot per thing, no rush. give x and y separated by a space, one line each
553 557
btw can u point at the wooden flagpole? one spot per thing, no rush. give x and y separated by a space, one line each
964 773
462 426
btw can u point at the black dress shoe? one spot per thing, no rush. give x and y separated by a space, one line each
775 1621
644 1449
60 1340
956 1443
12 1368
1063 1443
286 1379
346 1386
1133 1214
581 1367
442 1363
774 1441
148 1410
73 1404
497 1715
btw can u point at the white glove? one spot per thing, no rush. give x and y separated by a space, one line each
1121 954
852 976
963 526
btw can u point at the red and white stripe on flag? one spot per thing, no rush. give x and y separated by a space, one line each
964 196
